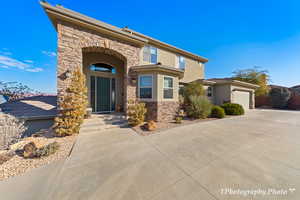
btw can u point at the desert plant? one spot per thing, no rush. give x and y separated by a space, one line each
178 120
217 112
11 130
136 113
151 125
192 89
280 97
199 107
233 109
72 107
47 150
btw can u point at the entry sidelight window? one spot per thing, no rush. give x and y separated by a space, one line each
145 86
168 87
150 54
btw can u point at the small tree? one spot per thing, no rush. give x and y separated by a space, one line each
14 90
192 89
72 107
280 97
254 76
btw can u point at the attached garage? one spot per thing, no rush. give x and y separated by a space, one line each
242 97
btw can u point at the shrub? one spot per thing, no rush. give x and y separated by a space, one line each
233 109
72 108
47 150
280 97
11 130
178 120
217 112
192 89
199 107
136 113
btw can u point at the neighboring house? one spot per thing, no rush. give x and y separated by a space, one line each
121 65
37 111
296 89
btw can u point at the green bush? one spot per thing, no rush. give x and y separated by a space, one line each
136 113
192 89
47 150
199 107
233 109
217 112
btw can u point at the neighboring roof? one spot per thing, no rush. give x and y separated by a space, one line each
232 81
59 12
296 86
158 68
35 107
278 86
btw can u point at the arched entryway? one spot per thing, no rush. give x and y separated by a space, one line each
105 72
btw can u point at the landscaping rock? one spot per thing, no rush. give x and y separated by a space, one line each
151 125
30 150
18 146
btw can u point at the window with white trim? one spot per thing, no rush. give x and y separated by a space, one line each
168 87
145 86
150 54
209 91
181 62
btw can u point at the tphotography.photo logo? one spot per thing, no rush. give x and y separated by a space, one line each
257 192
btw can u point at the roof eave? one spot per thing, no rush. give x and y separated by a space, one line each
55 13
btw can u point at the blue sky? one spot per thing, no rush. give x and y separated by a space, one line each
231 34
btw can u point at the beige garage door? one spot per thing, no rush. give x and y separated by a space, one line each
242 98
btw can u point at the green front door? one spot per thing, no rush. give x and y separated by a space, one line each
102 94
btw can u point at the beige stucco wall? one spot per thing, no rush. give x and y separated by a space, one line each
194 70
222 93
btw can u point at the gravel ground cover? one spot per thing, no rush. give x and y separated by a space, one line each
18 165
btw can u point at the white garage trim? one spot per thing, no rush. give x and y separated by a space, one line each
242 97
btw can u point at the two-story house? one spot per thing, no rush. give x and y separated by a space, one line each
121 64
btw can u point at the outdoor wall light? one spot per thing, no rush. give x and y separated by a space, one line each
66 74
133 80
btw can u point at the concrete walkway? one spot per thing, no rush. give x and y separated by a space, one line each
201 161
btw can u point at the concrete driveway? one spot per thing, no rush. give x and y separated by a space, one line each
258 153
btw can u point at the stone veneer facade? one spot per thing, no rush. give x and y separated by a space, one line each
74 41
162 111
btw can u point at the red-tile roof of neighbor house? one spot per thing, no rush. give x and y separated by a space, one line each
34 107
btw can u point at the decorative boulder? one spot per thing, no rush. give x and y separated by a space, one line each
18 146
151 125
30 150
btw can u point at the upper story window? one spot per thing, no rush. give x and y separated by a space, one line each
181 62
209 91
168 87
101 67
145 86
150 54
